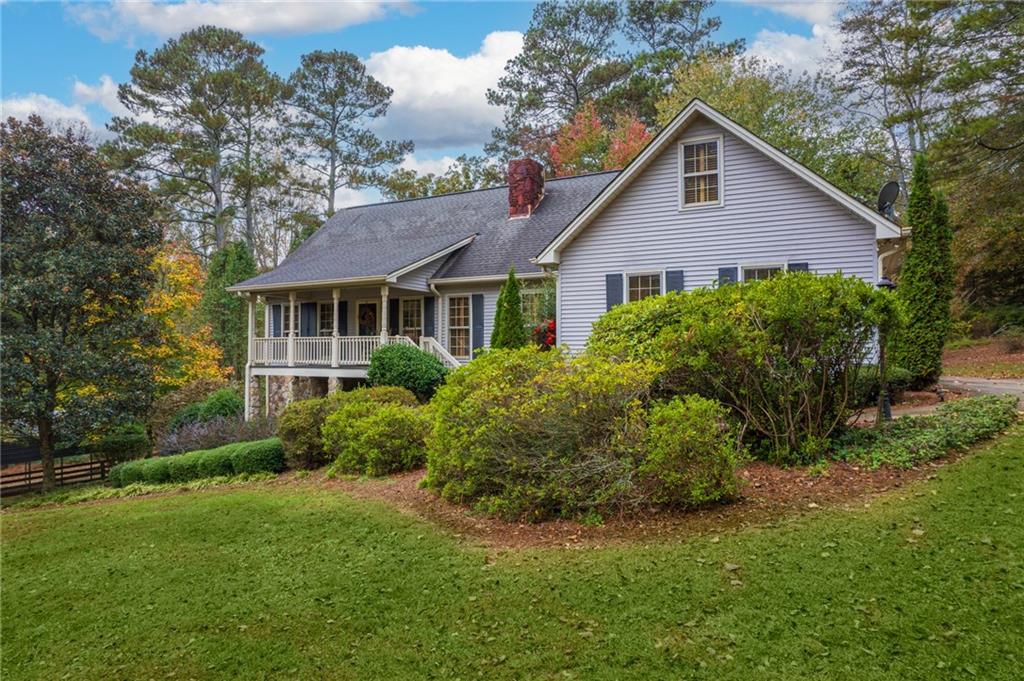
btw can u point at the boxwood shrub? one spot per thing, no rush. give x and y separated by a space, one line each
376 439
299 429
225 402
242 457
408 367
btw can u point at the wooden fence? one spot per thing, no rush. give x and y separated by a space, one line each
21 469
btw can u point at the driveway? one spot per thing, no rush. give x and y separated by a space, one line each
987 386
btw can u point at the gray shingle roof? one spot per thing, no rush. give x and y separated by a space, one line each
378 239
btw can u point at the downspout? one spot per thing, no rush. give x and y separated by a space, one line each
881 260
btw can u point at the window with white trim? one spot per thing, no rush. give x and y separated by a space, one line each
532 304
286 319
325 319
412 318
640 286
458 326
760 272
702 173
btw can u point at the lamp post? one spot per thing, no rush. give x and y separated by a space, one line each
884 405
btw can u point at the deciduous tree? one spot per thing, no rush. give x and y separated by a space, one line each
78 240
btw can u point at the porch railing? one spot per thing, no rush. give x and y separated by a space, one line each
337 351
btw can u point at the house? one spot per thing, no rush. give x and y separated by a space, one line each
706 202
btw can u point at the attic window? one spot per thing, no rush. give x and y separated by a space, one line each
701 172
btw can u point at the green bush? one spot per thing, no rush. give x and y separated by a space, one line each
690 453
376 439
867 385
384 394
258 457
909 440
299 429
509 328
222 403
782 354
926 281
528 434
631 331
123 443
407 367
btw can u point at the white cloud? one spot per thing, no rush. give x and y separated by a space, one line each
811 11
797 52
124 19
104 93
347 197
49 109
440 99
422 166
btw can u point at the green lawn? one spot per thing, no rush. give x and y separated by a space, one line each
297 582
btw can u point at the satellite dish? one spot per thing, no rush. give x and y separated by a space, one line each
887 197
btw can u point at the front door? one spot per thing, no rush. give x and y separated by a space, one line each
366 316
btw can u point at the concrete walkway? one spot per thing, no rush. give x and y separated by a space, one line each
986 386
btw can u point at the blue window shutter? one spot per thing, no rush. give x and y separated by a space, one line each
428 315
307 319
275 321
798 267
727 275
476 311
612 290
674 280
342 317
393 317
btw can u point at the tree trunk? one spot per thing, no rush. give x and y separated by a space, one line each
46 449
332 178
218 203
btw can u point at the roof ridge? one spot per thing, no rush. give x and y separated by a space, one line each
471 191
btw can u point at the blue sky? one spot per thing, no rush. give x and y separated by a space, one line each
65 59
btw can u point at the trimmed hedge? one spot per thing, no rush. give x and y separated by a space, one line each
299 429
407 367
260 456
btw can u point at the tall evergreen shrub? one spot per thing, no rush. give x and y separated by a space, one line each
226 312
926 282
509 326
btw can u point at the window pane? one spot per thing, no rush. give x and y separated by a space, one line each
411 319
458 342
644 285
326 319
458 326
758 273
701 189
700 158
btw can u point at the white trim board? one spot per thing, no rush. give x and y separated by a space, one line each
884 228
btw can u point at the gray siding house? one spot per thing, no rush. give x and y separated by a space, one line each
706 202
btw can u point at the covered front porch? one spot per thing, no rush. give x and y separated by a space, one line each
340 328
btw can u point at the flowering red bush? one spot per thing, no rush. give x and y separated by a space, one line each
544 335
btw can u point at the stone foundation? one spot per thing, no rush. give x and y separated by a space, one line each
286 389
255 398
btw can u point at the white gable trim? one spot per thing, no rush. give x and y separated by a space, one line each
884 228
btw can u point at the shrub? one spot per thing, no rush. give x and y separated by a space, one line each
782 354
258 457
165 408
926 281
867 385
123 443
261 456
909 440
214 433
376 439
509 325
630 331
222 403
384 394
690 453
407 367
528 434
299 429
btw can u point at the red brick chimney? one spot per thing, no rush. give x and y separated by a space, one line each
525 186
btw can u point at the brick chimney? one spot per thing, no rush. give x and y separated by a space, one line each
525 186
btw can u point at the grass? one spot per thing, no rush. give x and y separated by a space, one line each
305 582
987 369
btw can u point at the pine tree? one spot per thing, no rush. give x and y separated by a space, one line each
509 325
226 313
926 282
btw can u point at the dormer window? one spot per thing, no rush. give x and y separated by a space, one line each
701 176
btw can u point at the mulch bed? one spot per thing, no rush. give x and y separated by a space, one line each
769 492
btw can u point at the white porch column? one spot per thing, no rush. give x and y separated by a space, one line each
384 314
335 341
291 329
249 355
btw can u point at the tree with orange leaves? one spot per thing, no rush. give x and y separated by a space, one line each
585 144
186 351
